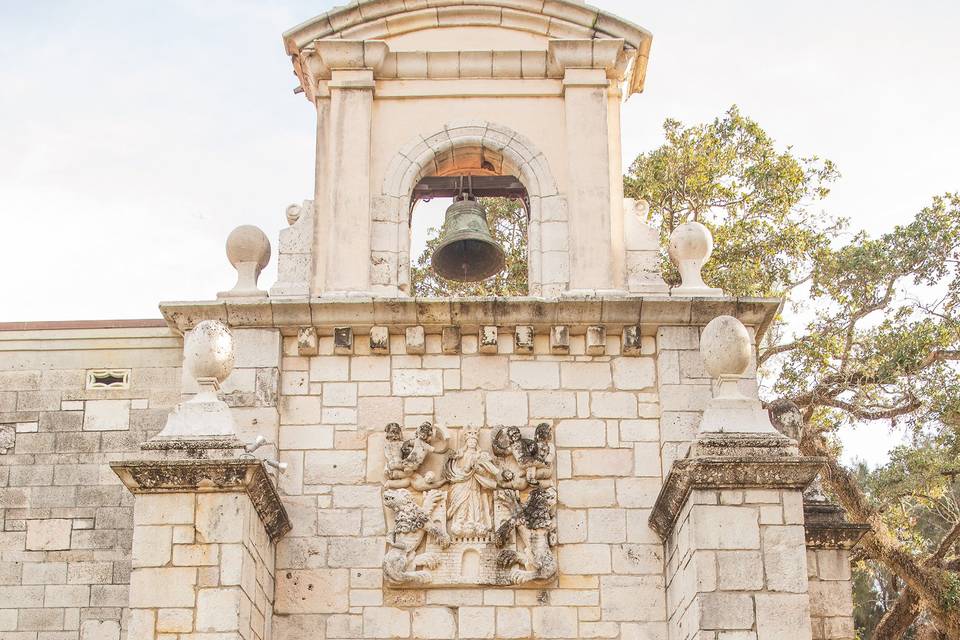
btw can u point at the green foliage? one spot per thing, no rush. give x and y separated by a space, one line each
952 599
508 225
757 200
871 329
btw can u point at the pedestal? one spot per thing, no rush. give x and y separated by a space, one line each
829 542
203 547
731 517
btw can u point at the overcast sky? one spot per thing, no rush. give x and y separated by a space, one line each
134 136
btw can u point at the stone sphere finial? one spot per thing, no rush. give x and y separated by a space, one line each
248 243
248 250
208 357
691 244
725 347
208 352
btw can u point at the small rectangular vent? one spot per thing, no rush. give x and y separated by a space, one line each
108 379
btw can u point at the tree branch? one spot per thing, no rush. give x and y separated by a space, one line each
880 543
769 352
895 622
898 618
865 414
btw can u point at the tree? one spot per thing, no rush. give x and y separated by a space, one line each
508 223
871 335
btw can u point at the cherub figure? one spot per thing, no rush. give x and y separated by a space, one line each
404 457
534 455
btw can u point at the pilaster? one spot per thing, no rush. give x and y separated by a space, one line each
596 207
203 553
348 158
206 511
830 540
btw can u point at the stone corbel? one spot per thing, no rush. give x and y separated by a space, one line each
349 64
581 61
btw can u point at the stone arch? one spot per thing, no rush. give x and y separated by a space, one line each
466 147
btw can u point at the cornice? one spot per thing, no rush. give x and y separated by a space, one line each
647 312
727 472
209 476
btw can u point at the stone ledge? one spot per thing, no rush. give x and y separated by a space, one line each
434 313
727 472
209 476
826 528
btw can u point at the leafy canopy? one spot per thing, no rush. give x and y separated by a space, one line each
870 336
757 200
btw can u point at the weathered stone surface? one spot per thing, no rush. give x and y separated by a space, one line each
184 476
312 591
48 535
727 471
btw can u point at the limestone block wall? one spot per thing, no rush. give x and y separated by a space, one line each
831 598
66 519
202 564
736 567
605 412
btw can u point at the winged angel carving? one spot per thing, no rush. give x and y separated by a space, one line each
469 515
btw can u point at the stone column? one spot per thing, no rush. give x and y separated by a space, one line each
203 552
829 542
206 514
595 211
347 201
731 514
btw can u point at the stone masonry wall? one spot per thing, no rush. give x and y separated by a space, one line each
202 564
831 598
736 566
66 519
619 422
605 412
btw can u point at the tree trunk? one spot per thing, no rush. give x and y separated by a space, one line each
898 619
927 582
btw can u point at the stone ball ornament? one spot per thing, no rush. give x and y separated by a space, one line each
248 243
691 245
725 347
248 250
208 351
690 241
293 214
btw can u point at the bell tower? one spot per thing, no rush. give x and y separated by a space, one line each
589 460
517 89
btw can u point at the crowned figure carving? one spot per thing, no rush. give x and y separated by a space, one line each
477 512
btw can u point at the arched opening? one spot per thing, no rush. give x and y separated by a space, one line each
507 207
479 149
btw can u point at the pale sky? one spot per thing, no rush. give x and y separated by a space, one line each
134 136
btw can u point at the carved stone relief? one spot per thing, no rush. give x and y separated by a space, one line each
470 506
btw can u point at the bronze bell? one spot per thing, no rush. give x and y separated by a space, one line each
467 252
